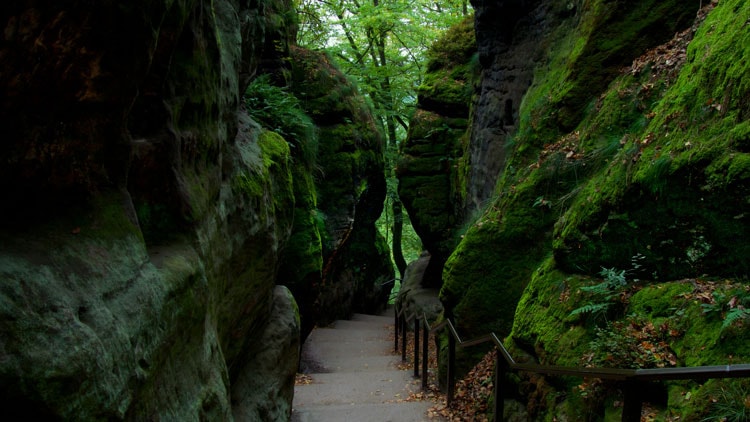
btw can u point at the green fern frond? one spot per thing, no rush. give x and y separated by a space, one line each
596 289
591 308
734 314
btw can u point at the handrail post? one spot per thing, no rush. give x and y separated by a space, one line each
425 351
403 338
451 368
631 409
501 368
397 321
416 347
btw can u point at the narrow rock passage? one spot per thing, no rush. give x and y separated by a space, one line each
355 377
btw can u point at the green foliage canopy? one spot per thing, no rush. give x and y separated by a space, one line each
380 43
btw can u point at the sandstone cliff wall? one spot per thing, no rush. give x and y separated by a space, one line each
146 214
432 165
607 159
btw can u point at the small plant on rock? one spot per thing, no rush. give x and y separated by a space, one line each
633 343
730 403
279 110
732 306
604 294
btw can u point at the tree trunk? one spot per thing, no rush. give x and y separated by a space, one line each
378 39
398 224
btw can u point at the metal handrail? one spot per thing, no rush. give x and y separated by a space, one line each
633 379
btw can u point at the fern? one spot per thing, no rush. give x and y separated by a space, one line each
733 310
717 306
280 111
603 294
734 314
613 278
591 308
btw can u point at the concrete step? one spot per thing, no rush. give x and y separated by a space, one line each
384 319
373 345
366 325
355 375
382 412
355 364
348 333
379 387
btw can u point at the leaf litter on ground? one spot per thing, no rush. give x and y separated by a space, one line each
471 393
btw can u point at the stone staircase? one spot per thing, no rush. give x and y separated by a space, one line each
355 376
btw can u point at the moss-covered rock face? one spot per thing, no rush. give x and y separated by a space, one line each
302 260
531 191
430 170
349 193
448 84
640 171
677 190
139 256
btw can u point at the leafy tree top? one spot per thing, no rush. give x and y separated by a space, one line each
380 43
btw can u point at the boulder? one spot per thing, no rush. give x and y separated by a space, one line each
265 386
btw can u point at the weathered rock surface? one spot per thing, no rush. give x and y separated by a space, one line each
552 59
265 389
144 213
431 170
414 297
618 157
350 186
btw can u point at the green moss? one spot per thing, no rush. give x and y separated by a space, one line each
275 148
716 400
730 169
431 186
542 319
681 233
584 59
350 155
455 48
267 181
697 339
739 136
659 301
324 92
274 154
302 262
543 326
703 114
428 179
248 185
339 204
304 248
350 151
452 70
484 277
444 87
280 111
687 144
